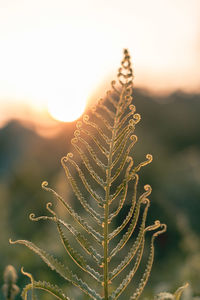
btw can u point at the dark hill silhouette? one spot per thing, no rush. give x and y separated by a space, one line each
169 129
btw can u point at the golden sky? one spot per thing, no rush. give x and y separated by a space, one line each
61 51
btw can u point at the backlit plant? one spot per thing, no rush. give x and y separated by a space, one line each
104 178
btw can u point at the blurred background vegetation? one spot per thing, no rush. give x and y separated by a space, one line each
169 130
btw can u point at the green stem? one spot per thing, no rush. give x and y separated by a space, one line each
106 212
106 209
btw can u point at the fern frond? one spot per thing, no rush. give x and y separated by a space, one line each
122 137
84 243
146 274
98 218
118 190
121 203
76 257
93 138
126 117
104 170
129 126
124 159
136 246
133 201
176 296
96 177
133 223
57 292
139 244
133 139
61 269
47 287
131 227
180 290
52 262
98 129
111 99
116 293
129 176
98 198
142 200
106 109
90 150
149 158
98 237
147 271
86 289
115 90
102 119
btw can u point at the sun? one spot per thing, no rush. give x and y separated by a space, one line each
67 107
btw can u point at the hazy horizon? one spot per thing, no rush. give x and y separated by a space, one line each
55 54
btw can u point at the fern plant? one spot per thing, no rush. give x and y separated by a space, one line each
102 175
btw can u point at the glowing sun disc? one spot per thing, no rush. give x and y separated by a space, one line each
66 110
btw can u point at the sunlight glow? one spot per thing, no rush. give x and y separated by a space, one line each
67 110
54 56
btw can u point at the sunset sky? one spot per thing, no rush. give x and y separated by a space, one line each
55 52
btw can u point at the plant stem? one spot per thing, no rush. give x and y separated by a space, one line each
106 209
